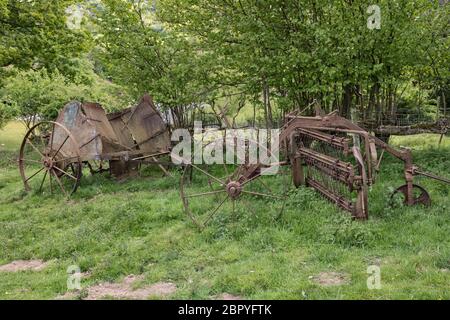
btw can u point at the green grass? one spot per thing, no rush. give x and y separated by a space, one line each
11 136
138 227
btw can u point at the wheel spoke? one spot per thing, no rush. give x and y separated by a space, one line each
60 147
60 183
43 180
226 169
31 160
261 194
51 183
265 185
66 159
208 174
251 180
66 173
204 194
31 177
34 147
215 210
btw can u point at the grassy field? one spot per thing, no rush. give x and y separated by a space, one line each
111 230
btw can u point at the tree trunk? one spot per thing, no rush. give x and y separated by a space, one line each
347 101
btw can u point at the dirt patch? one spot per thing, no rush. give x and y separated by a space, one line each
23 265
327 279
227 296
124 290
68 296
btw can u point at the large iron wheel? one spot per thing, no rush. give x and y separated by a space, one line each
231 194
49 159
232 190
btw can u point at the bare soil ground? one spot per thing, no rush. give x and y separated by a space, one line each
23 265
124 290
227 296
327 279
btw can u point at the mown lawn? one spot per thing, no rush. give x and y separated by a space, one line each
112 230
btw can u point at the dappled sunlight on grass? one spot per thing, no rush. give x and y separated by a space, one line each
11 136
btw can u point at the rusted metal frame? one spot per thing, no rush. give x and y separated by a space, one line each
253 172
88 142
367 140
377 167
90 119
151 155
361 210
336 169
431 175
125 126
121 155
157 134
337 142
335 123
338 199
250 172
98 135
133 111
120 114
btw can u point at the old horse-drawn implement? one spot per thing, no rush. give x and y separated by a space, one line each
53 154
341 160
329 153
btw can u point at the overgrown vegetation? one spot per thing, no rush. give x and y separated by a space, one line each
256 59
33 96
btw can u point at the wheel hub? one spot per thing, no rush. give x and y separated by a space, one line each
234 189
48 162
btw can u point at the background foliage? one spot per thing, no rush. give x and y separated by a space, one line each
245 60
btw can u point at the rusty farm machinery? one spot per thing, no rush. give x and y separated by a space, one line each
53 153
341 161
328 153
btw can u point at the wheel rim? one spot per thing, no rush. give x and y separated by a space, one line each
49 159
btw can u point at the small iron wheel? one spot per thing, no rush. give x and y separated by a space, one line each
420 195
50 159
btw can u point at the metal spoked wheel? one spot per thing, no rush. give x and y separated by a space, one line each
245 191
230 191
420 196
49 159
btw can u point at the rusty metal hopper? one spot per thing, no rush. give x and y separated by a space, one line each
91 129
141 128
